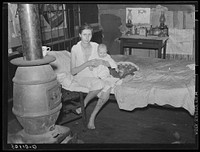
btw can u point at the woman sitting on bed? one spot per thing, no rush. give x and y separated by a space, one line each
81 54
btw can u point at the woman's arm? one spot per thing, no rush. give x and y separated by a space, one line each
76 69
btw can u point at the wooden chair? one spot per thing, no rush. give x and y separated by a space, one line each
72 100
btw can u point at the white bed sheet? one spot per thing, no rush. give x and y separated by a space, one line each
68 84
159 81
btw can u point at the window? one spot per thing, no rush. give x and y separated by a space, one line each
58 24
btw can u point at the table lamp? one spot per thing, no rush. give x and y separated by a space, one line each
129 22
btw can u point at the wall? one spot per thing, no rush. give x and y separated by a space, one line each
14 36
179 19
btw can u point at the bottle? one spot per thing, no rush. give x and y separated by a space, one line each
151 30
165 30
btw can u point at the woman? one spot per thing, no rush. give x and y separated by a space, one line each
81 55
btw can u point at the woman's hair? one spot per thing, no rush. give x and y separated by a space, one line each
84 27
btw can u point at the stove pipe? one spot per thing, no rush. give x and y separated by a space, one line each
36 91
30 31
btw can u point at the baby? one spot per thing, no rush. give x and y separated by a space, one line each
102 71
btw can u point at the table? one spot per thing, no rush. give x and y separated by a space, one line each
144 42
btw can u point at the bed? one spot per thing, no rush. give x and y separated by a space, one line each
156 82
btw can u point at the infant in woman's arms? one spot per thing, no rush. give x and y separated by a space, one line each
102 71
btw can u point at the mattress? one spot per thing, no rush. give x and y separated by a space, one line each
157 81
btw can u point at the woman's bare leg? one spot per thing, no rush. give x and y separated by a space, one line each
90 96
101 101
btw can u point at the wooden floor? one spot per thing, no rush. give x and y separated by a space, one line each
150 125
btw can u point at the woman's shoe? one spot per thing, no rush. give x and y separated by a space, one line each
77 111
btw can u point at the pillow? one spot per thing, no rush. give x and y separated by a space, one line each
62 62
61 66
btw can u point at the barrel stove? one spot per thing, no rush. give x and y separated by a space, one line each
36 91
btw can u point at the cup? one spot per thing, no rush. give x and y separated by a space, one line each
10 51
45 50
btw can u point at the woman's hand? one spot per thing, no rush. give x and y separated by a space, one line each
95 62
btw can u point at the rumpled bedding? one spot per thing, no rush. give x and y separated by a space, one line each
158 81
61 67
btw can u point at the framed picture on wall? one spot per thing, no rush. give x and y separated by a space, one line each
138 15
